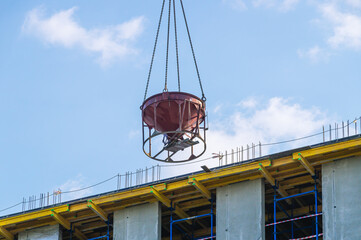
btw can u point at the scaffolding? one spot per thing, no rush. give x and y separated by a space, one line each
173 223
290 218
106 236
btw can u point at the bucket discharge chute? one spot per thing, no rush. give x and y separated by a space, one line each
173 122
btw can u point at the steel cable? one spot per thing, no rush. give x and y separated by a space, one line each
176 43
194 56
167 51
154 49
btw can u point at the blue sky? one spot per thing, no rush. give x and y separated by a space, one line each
73 73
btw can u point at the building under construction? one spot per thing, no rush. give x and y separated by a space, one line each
312 192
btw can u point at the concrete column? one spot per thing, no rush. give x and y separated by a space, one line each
141 222
341 199
42 233
241 211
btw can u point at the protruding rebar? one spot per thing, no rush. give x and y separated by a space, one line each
355 125
253 150
247 152
219 159
260 149
146 174
242 154
226 158
232 155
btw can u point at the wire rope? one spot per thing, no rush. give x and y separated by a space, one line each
15 205
167 51
176 44
154 50
94 185
194 56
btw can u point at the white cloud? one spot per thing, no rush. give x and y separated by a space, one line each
314 54
264 3
287 5
111 42
134 133
346 27
282 5
75 184
236 4
277 119
248 103
354 3
344 20
217 108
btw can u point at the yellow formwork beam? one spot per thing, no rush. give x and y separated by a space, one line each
272 181
331 148
200 187
306 164
97 210
5 233
163 199
65 223
267 175
32 216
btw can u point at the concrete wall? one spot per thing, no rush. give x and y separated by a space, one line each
43 233
241 211
341 199
138 223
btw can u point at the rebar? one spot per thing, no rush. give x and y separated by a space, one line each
232 155
146 174
152 173
247 152
253 150
242 154
260 149
131 179
355 126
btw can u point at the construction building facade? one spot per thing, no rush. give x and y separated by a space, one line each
312 192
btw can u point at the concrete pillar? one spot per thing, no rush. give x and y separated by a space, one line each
341 199
42 233
141 222
241 211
